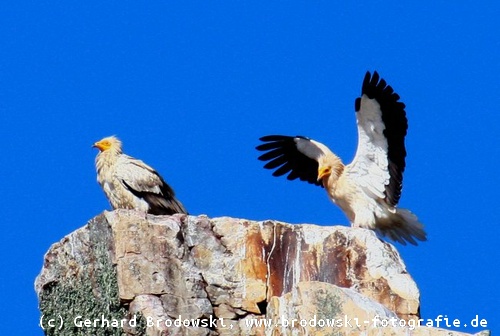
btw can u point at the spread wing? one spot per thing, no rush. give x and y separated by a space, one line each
296 156
144 182
379 162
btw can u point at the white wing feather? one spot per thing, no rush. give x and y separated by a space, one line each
137 175
369 168
312 149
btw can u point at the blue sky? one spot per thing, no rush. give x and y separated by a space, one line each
190 86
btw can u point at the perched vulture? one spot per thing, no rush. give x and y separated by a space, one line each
130 183
368 189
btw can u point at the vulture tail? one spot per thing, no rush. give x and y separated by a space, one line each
403 227
164 205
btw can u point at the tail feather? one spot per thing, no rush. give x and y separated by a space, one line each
159 205
403 227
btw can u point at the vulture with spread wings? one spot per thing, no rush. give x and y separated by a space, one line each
130 183
368 189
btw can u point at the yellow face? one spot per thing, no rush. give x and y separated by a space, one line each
103 145
324 171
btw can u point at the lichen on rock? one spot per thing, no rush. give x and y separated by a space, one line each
81 282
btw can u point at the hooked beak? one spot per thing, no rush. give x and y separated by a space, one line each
98 146
322 172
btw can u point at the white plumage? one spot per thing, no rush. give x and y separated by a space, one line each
368 189
130 183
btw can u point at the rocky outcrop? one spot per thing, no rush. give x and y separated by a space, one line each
127 273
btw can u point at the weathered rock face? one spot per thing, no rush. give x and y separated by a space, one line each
185 275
